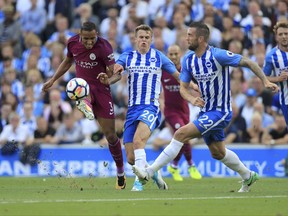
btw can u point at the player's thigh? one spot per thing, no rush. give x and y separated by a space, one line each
141 136
187 132
102 103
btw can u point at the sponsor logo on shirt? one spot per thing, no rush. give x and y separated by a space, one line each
111 57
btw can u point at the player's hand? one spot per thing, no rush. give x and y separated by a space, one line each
104 79
47 85
118 69
272 86
283 76
198 101
194 86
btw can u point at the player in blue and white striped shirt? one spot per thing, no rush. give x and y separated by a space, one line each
210 67
276 64
144 67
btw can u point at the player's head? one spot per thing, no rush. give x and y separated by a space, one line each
143 37
174 54
88 34
198 33
281 33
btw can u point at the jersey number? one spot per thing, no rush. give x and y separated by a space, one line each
205 121
146 115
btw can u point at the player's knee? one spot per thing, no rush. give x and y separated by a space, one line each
218 155
180 135
111 137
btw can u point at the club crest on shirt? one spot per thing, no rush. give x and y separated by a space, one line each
208 64
92 56
230 53
152 59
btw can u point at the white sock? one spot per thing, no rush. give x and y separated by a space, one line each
167 155
232 161
140 158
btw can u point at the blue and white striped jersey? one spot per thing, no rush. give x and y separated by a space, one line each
276 61
144 75
211 71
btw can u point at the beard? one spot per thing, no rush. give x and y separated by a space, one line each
193 47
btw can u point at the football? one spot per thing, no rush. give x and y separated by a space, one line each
77 89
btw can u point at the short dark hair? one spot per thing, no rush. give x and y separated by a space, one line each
88 26
201 29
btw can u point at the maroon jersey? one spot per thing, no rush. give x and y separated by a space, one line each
175 105
90 62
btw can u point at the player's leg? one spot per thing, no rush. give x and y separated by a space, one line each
192 169
85 107
182 135
114 144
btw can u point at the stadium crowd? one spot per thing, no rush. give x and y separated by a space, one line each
33 36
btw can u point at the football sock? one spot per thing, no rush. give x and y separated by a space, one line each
232 161
116 152
140 158
168 154
187 151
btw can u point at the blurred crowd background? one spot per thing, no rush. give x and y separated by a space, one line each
33 36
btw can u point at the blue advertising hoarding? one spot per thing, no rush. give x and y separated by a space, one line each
78 160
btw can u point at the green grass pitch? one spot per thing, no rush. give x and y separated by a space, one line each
97 196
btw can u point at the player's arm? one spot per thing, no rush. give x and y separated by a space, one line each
254 67
116 69
186 94
64 66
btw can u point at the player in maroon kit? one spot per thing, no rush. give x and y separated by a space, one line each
93 55
176 112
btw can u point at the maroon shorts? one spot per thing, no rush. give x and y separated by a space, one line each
102 102
176 121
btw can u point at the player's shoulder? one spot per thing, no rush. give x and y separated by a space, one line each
272 51
189 54
74 39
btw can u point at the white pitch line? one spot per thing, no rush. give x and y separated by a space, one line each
141 199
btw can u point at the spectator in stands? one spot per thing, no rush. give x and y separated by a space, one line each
226 33
254 133
44 133
248 109
267 119
6 109
281 11
62 33
9 59
34 79
236 93
234 13
10 30
33 20
235 131
28 119
56 108
84 12
277 133
141 10
164 10
178 27
14 135
17 87
264 95
69 131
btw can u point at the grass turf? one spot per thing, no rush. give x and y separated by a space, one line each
97 196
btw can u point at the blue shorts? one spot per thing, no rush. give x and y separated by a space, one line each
148 114
211 124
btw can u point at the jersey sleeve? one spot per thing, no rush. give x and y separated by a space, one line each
268 65
167 64
122 59
226 58
185 74
69 54
108 54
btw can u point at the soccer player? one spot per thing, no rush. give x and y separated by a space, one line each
210 67
176 112
144 67
92 55
276 64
